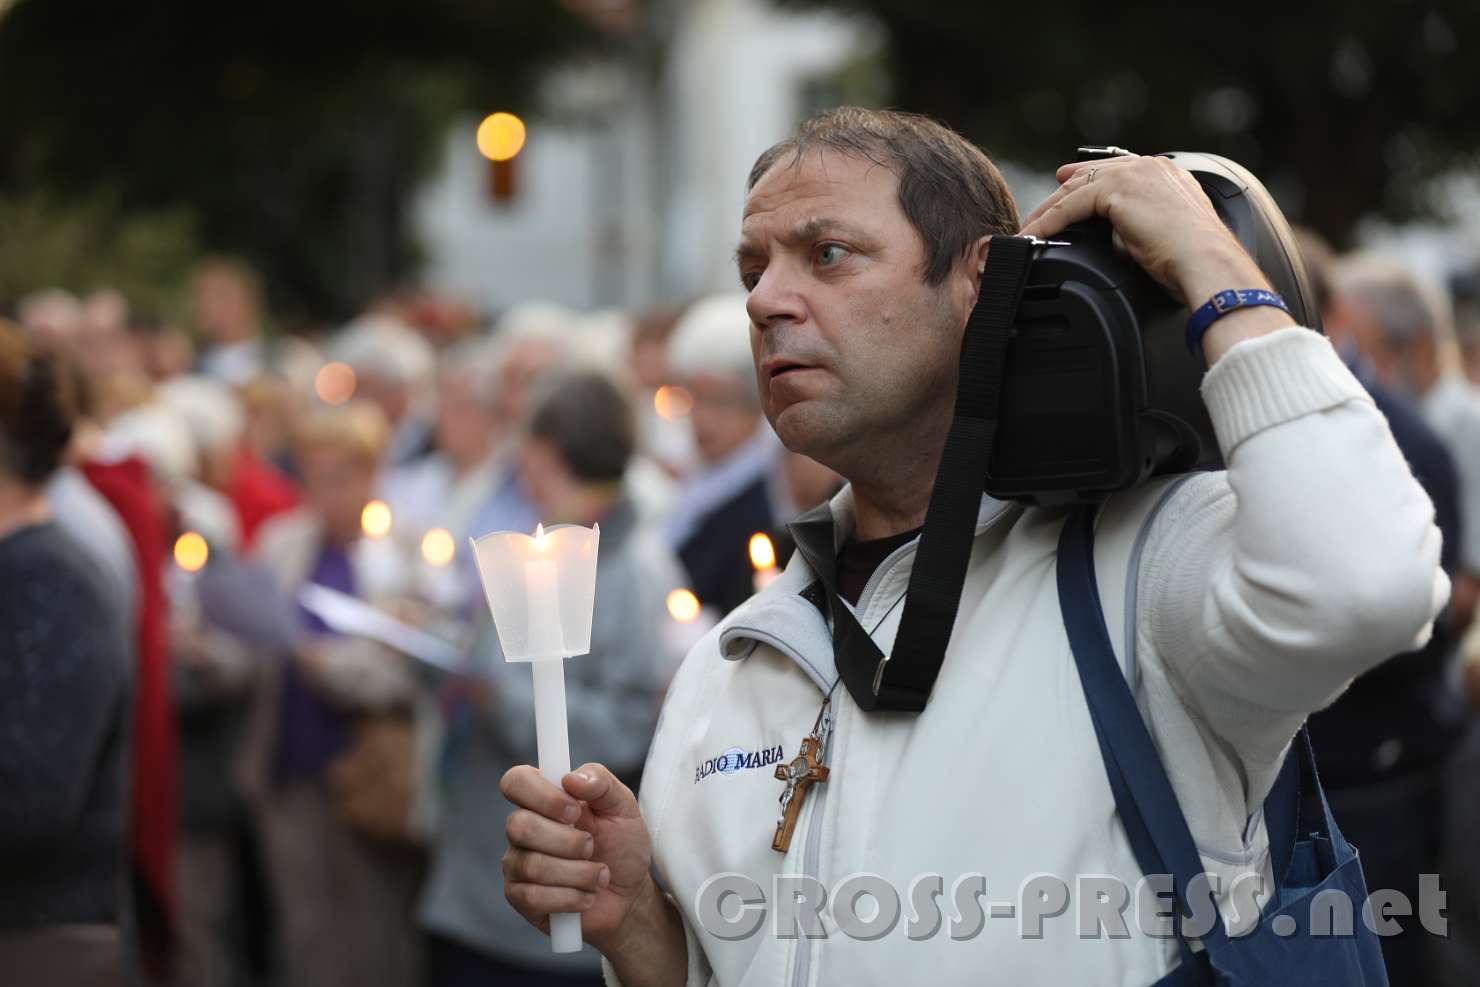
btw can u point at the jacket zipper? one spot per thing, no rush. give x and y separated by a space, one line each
803 961
813 837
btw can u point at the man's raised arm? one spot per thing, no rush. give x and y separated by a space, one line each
1317 556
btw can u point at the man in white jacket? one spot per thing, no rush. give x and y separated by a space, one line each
1251 597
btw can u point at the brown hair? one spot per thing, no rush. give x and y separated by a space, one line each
590 423
948 189
37 407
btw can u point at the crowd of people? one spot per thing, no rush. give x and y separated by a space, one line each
284 799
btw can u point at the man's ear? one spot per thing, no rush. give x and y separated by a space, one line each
969 273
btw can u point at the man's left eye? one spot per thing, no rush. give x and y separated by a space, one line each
831 253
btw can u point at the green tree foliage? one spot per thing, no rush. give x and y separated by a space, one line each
293 130
86 243
1343 108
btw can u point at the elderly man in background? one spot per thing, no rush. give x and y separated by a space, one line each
1405 329
444 488
728 497
395 368
227 301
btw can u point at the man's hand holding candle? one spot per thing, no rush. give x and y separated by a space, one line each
586 849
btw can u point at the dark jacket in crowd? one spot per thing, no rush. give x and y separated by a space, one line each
65 695
717 554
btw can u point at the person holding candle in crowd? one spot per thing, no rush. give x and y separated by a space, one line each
862 242
66 664
344 896
572 455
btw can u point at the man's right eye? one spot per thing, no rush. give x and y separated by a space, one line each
749 279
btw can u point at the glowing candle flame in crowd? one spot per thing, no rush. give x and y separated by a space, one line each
762 552
375 519
191 552
437 547
683 606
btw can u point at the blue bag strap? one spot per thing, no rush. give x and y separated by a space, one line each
1148 807
1296 807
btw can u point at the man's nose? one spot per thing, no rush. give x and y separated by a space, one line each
776 299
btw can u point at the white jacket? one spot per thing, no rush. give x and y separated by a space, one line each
1252 598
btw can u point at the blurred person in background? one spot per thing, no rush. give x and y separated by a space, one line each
271 406
212 675
394 367
445 487
1404 328
161 435
87 516
342 884
573 455
115 466
1385 743
64 708
227 301
663 429
52 316
227 464
727 498
531 341
103 345
165 350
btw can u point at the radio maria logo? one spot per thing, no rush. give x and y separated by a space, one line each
738 759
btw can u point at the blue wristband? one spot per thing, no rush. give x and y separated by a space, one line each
1224 302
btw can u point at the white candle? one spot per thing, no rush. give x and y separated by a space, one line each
522 580
542 596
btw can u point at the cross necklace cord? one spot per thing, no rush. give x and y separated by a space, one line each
807 769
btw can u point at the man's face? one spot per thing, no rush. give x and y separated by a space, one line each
853 350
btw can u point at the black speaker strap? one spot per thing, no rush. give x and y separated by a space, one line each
902 681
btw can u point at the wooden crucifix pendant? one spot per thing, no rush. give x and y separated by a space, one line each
799 774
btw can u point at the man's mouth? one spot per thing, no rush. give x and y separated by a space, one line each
779 368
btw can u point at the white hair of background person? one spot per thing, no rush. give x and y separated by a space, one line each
541 320
157 434
382 344
1405 305
537 322
603 342
712 337
52 311
209 409
474 361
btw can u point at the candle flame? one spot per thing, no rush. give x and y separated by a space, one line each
375 519
762 552
437 547
191 552
539 534
683 606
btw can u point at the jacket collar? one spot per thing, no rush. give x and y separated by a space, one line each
787 621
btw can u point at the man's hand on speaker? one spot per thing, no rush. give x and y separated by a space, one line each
1169 228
